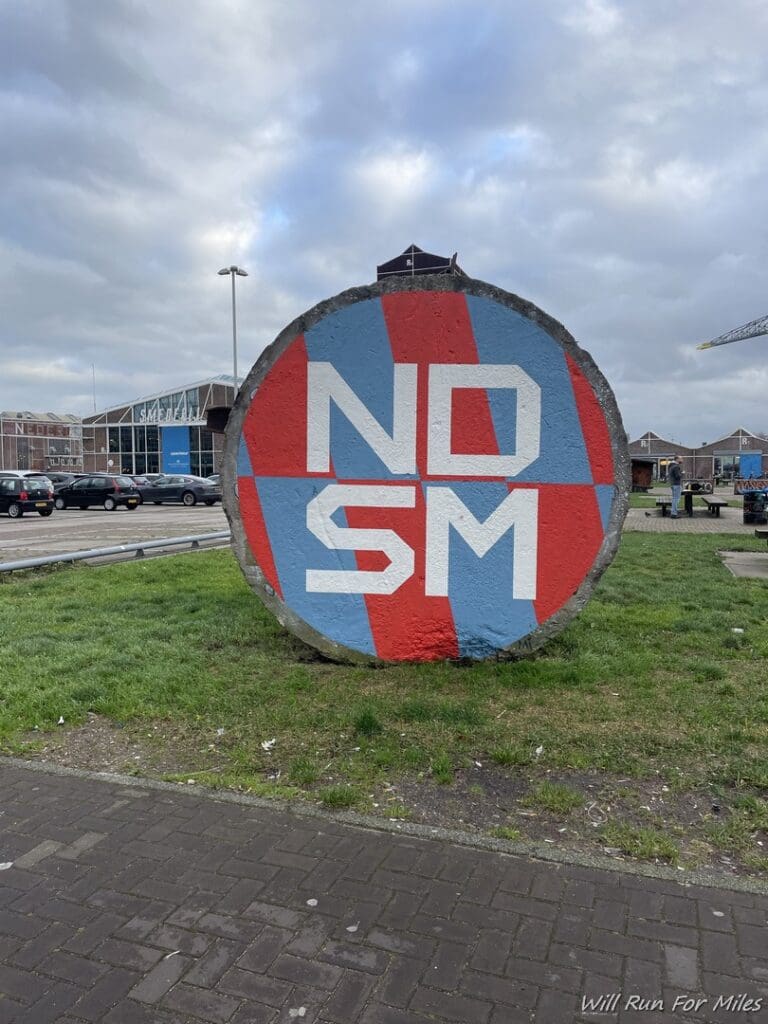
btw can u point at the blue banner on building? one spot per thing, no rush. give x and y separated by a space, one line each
175 446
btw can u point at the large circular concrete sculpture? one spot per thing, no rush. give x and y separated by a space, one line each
425 468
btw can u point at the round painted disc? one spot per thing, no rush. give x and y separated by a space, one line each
425 468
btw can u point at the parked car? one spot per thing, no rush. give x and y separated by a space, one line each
186 489
25 474
60 480
141 482
25 494
214 478
99 489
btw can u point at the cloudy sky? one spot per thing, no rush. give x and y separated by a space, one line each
606 160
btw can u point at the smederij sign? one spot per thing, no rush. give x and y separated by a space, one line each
425 468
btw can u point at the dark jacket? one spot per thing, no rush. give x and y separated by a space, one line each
675 474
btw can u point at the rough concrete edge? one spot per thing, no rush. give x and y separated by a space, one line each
531 850
253 573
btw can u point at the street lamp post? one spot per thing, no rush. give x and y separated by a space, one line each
234 272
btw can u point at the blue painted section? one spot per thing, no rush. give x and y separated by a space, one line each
605 494
244 467
355 341
480 589
751 464
341 617
175 448
503 336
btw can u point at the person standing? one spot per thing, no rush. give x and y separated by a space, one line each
676 483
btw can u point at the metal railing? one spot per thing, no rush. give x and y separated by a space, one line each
138 548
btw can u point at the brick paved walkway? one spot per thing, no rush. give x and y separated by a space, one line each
133 905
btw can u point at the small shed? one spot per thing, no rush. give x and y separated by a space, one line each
642 474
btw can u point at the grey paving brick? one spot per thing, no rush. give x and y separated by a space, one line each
38 853
514 991
209 968
682 967
128 954
401 981
180 940
154 985
446 967
449 1006
348 998
257 987
272 913
264 949
379 1013
610 915
354 955
70 967
228 927
201 1003
719 953
555 1007
491 952
306 972
58 997
102 996
532 939
31 953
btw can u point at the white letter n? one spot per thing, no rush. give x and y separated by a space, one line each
398 452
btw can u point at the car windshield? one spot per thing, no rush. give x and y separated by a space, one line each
37 483
124 481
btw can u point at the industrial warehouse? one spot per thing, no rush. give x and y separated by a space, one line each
161 433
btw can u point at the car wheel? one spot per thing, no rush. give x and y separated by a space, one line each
15 510
59 504
131 508
109 504
46 512
209 502
188 498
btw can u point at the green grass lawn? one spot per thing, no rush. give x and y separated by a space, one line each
650 678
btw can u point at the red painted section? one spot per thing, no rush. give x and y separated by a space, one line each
275 427
406 625
435 327
593 426
256 531
570 535
469 407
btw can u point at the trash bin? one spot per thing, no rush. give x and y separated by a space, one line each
755 506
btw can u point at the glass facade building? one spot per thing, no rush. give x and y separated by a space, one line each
164 433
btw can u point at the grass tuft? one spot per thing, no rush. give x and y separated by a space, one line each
553 797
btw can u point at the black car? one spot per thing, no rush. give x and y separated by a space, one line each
186 489
99 489
60 480
25 494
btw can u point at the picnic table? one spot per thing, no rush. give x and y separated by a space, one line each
713 505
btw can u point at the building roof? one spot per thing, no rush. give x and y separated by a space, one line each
40 417
225 379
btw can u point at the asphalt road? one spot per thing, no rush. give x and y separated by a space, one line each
33 536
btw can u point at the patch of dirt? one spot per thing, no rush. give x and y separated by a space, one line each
154 749
487 798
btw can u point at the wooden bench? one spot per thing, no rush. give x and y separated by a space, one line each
714 504
761 532
663 505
